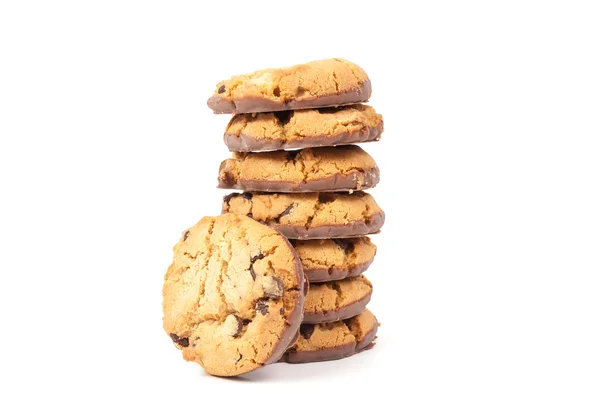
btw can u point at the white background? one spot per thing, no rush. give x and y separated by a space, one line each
487 280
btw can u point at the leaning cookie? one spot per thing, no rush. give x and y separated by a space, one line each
310 215
341 168
332 341
233 296
333 301
315 84
334 259
298 129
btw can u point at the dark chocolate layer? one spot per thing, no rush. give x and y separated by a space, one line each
221 105
245 143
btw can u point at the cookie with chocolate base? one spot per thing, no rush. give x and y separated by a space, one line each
323 83
332 341
336 300
334 259
310 215
341 168
233 296
299 129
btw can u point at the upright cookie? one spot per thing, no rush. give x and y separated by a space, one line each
308 170
323 342
233 296
310 215
321 83
334 259
336 300
298 129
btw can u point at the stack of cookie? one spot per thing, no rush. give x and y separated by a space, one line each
299 171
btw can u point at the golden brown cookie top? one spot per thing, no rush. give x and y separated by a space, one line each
320 83
308 170
233 296
303 128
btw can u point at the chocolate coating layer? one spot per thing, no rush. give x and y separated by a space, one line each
336 315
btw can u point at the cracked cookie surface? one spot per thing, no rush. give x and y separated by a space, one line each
334 259
331 341
297 129
233 295
322 83
310 215
336 300
308 170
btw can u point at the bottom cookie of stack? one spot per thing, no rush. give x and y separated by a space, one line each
334 340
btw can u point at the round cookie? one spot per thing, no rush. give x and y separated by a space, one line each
315 84
298 129
332 341
233 296
307 170
336 300
310 215
334 259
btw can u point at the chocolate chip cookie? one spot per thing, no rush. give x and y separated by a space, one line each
233 296
298 129
331 341
308 170
332 301
334 259
310 215
321 83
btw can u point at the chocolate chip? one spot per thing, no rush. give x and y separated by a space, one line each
276 92
233 325
291 154
283 116
273 287
252 273
326 197
262 306
284 213
247 195
185 235
306 330
281 311
182 341
227 178
221 89
228 198
327 110
346 245
259 256
249 215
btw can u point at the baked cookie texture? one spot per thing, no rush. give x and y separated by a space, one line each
321 83
297 129
233 296
331 341
307 170
310 215
333 301
334 259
